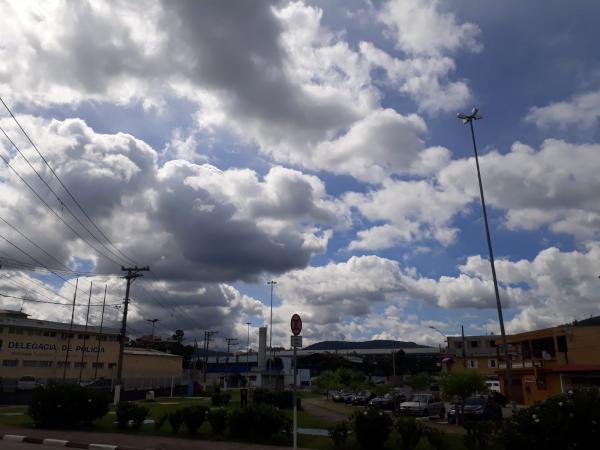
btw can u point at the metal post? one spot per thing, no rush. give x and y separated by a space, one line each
271 283
70 330
464 347
295 403
100 334
87 317
248 346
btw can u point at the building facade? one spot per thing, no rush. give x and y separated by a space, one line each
553 360
478 353
49 350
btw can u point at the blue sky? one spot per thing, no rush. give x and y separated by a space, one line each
315 143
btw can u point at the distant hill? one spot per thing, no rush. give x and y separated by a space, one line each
348 345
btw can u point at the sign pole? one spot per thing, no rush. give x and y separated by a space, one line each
295 403
296 341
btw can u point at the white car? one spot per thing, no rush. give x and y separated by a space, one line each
493 385
26 383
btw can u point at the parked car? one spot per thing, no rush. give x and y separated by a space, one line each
481 407
27 383
493 385
348 397
362 398
423 404
388 402
337 396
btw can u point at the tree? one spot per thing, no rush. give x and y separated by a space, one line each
418 382
327 381
178 336
462 384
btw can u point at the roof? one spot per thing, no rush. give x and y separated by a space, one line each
16 320
147 352
591 321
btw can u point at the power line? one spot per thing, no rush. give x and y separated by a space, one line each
27 299
62 203
63 185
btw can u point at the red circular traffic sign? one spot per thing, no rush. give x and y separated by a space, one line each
296 324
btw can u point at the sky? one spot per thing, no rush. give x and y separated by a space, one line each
225 144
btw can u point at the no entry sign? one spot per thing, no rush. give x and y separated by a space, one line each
296 324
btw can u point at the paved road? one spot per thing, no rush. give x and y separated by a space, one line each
6 445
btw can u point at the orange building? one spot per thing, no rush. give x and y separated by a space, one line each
552 360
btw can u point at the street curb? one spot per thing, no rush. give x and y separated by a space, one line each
62 443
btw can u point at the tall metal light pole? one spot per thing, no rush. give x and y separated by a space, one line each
436 329
153 322
272 283
470 118
248 344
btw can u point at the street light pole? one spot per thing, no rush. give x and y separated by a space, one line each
470 118
153 322
436 329
248 345
272 283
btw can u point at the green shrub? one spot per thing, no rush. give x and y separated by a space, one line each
258 422
218 419
193 417
279 399
64 405
176 420
410 432
339 434
437 439
566 421
220 398
480 435
160 421
131 412
372 428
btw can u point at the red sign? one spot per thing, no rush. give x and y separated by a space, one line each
296 324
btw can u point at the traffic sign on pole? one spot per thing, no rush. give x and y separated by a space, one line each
296 324
296 341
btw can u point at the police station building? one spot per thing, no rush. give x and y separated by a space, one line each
52 350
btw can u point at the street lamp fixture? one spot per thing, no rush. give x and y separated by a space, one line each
469 119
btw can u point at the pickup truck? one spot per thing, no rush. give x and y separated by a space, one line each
423 404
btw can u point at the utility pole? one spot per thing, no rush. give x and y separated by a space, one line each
272 283
207 336
230 342
100 334
70 330
470 118
132 274
87 317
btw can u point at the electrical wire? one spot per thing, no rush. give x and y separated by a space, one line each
65 187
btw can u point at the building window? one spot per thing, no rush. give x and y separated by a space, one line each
98 365
472 364
84 336
473 344
492 343
62 364
27 363
34 332
10 362
67 335
80 365
112 365
458 344
102 337
561 344
492 364
45 363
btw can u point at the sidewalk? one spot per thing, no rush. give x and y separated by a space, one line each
134 441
